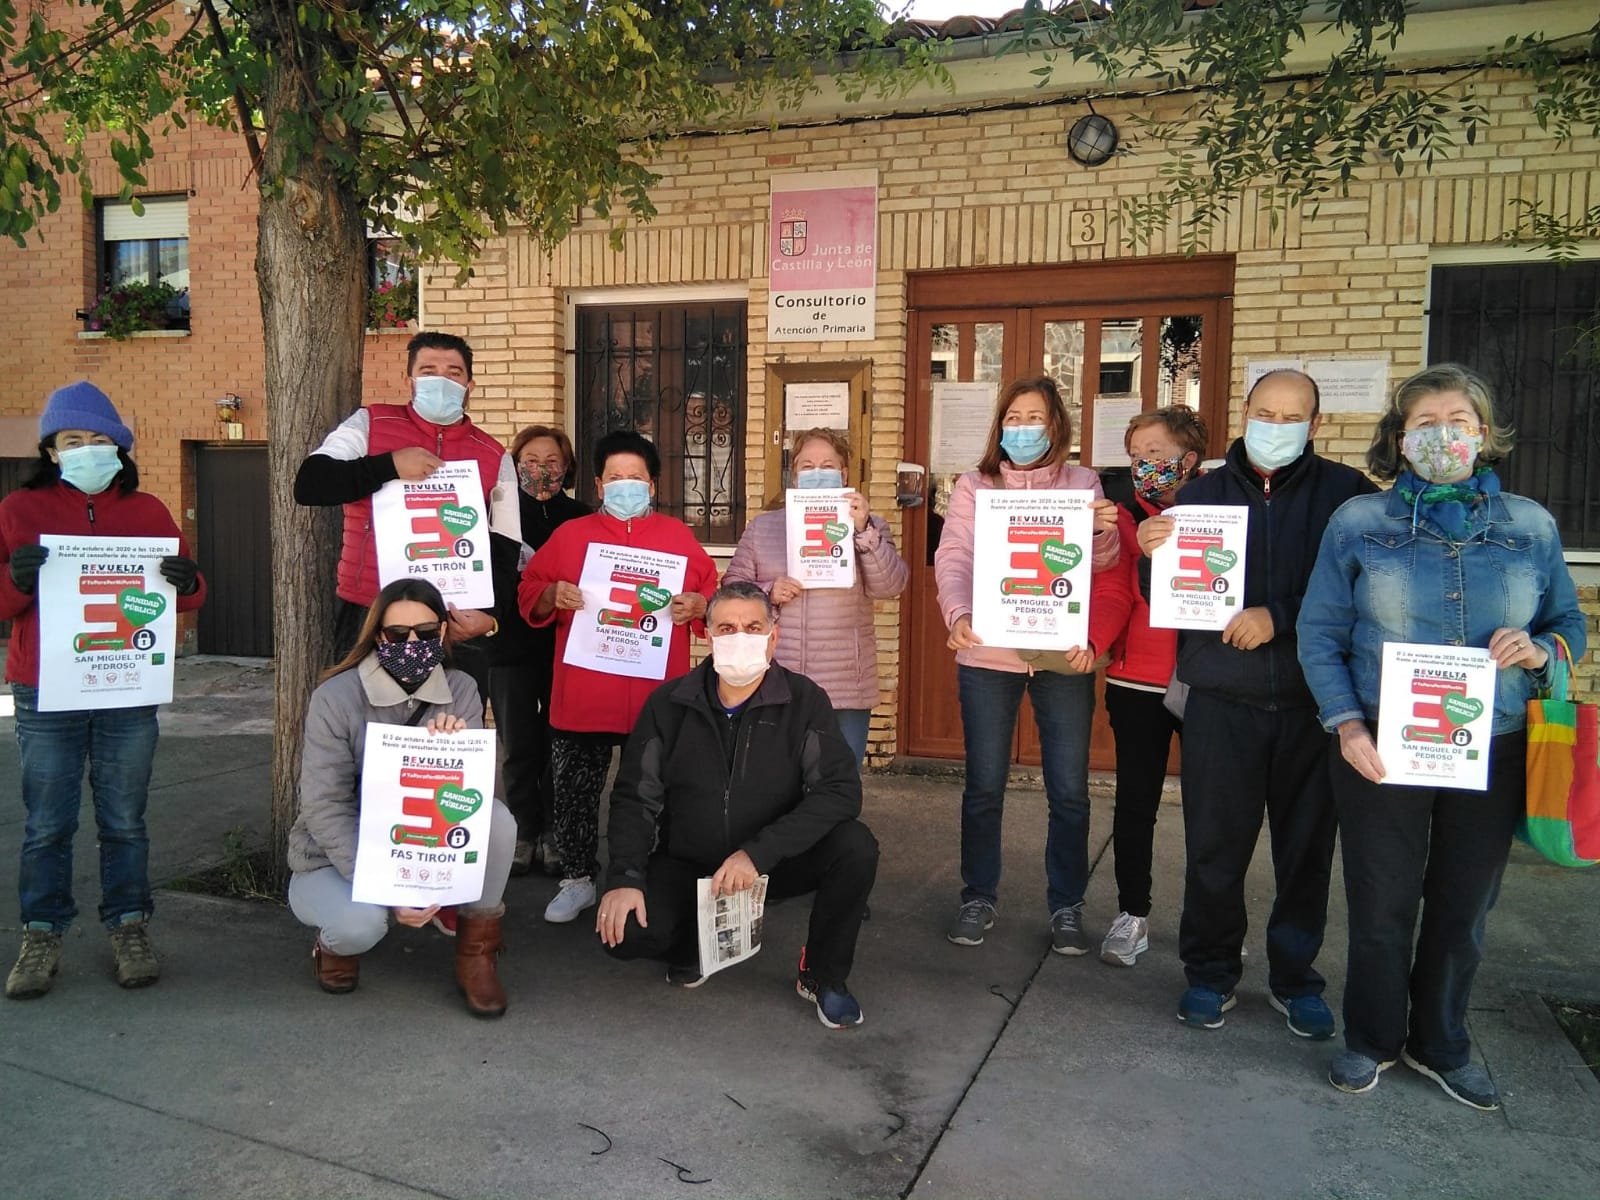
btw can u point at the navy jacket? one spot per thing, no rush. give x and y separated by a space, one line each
1287 516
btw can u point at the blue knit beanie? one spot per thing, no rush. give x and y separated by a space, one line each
81 405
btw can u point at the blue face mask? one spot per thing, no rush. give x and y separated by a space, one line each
1272 446
438 399
90 469
625 499
1025 444
818 477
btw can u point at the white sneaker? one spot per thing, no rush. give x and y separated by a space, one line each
1128 937
575 896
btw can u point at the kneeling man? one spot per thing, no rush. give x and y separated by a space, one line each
738 770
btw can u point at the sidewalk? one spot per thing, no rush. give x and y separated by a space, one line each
236 1077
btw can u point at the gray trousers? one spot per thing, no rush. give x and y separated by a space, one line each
322 899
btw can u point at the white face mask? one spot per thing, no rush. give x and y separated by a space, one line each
438 399
739 659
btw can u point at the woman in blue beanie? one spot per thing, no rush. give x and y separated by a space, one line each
84 484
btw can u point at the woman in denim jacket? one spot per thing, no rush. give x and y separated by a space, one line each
1444 558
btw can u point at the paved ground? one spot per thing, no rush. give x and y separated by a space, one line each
995 1071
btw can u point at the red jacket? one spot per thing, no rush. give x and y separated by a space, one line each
29 512
584 701
394 427
1139 654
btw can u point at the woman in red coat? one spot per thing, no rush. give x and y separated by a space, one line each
85 484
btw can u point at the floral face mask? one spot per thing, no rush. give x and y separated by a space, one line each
1440 452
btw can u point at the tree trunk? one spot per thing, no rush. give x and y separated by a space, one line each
311 271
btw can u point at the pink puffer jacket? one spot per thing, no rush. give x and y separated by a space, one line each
826 633
952 562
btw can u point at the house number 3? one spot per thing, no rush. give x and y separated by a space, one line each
1088 227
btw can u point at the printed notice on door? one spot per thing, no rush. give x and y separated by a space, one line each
436 529
624 626
1031 568
821 541
1197 574
1435 715
108 624
426 805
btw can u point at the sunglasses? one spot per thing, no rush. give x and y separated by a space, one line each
428 632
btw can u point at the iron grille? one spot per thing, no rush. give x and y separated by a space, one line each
677 375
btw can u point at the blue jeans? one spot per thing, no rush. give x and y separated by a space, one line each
853 725
120 746
1063 708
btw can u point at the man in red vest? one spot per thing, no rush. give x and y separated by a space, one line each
411 441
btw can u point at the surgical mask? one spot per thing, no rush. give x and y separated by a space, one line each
91 468
1272 446
818 477
625 499
739 659
410 662
1025 444
1440 452
438 399
1153 478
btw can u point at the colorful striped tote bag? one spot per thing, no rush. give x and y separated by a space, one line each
1562 821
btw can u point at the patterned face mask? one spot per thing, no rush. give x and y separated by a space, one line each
1440 452
1153 478
536 478
411 662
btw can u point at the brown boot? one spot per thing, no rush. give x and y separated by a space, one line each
477 945
336 973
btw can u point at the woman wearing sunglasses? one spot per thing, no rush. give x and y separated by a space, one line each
396 674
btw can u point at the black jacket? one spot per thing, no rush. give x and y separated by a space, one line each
1286 523
772 780
518 642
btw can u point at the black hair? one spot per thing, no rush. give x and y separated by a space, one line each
626 441
46 471
742 589
432 339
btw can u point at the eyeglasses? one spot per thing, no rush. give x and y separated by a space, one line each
428 632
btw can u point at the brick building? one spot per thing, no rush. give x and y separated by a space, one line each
996 254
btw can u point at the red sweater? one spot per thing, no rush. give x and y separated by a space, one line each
60 508
584 701
1139 654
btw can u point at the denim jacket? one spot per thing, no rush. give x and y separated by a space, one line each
1382 576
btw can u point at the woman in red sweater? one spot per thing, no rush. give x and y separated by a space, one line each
1166 447
85 484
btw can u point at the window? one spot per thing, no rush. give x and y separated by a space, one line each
677 375
391 284
144 259
1533 330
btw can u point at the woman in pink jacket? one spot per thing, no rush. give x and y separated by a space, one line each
826 633
1030 442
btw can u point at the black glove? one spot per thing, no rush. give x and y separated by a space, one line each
25 562
180 572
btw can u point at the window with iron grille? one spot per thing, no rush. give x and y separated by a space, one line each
1533 330
675 373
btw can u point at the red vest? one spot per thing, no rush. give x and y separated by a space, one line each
394 427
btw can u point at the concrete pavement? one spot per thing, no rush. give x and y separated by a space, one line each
1000 1070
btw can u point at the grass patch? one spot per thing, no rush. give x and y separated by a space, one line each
1581 1024
243 874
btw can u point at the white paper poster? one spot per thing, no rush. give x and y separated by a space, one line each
436 529
108 623
426 804
624 627
1031 566
1351 385
821 537
1197 574
962 414
1436 715
1111 417
822 255
824 405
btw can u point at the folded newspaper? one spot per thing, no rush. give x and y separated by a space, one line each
730 925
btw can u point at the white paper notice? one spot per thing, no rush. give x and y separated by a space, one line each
816 406
1197 575
1031 568
1111 417
624 627
1436 715
1352 385
962 414
820 539
730 925
426 804
108 623
436 529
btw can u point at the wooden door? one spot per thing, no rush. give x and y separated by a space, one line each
234 550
